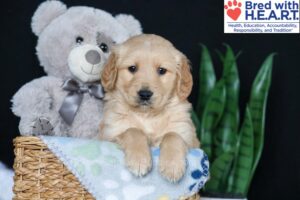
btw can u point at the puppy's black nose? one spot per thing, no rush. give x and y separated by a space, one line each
145 95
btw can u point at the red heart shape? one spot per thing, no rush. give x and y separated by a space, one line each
234 13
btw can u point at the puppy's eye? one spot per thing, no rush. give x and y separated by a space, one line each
79 40
103 47
132 69
161 71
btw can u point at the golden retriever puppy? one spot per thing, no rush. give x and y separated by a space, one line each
147 82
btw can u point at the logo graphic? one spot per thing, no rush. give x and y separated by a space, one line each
233 9
261 16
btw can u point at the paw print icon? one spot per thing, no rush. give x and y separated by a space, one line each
233 9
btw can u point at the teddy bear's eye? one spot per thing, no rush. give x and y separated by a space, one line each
103 47
79 40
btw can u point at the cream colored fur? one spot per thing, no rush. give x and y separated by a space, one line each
165 121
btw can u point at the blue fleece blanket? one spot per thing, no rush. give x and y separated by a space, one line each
99 166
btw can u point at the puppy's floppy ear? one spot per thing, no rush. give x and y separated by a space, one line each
185 79
110 73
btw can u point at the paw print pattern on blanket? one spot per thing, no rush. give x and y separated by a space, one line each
96 169
100 167
88 151
197 174
130 191
92 151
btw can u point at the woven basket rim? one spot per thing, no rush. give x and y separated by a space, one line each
39 174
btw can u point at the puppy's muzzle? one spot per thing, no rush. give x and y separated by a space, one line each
145 95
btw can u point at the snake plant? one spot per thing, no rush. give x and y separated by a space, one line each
233 146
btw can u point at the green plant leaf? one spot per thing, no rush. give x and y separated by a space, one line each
207 79
221 56
218 170
226 133
212 113
244 159
257 105
196 122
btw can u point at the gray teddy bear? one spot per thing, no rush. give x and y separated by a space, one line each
73 45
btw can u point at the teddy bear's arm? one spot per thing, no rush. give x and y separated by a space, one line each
34 101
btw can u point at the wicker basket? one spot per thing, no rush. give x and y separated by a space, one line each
40 175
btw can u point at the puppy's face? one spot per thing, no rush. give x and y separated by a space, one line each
147 71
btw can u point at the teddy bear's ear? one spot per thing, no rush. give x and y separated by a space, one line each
45 13
130 23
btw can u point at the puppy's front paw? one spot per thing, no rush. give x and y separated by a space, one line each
138 162
172 167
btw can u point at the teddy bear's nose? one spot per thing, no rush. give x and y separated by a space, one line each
93 57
